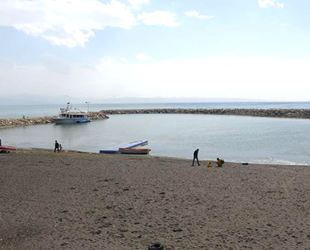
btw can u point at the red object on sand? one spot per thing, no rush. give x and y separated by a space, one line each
8 148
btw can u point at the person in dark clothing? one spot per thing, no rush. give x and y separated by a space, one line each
219 162
196 157
56 146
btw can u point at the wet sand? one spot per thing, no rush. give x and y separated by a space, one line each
75 200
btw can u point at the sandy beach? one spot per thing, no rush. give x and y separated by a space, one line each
76 200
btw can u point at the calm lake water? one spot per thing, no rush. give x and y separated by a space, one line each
234 138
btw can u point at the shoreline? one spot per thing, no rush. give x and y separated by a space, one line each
33 150
201 160
74 200
103 114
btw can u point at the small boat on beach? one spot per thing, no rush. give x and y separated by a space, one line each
7 148
140 151
115 149
71 115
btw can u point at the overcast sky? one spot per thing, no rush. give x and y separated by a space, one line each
256 49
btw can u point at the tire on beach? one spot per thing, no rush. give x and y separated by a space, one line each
156 246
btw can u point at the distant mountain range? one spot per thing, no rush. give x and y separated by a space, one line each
46 100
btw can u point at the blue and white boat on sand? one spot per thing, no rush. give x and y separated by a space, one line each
130 145
71 115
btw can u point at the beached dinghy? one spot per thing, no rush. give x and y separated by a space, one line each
115 149
7 148
140 151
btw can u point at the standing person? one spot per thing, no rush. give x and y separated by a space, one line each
60 147
56 146
196 157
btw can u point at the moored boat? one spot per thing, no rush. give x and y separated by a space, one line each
142 151
71 115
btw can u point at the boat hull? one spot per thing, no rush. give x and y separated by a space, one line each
140 151
70 120
115 149
7 148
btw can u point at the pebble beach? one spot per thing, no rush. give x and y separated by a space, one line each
72 200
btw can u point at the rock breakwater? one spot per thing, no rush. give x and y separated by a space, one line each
281 113
97 115
15 122
103 114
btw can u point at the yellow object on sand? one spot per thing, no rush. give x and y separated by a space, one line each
209 164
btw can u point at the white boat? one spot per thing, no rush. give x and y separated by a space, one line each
71 115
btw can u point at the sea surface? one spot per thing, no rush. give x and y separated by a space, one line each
234 138
19 111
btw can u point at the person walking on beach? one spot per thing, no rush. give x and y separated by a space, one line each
56 146
196 157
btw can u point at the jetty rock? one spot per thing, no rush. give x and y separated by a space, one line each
97 115
27 121
280 113
13 122
103 114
